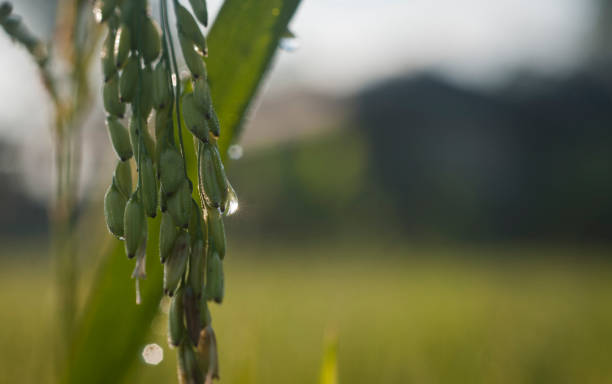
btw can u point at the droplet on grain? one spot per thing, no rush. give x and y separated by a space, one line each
289 42
232 201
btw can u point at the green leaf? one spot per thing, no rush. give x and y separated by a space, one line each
235 73
112 328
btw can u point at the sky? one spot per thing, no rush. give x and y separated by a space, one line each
344 46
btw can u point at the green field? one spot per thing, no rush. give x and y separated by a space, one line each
400 314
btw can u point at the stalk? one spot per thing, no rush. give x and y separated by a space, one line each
70 109
175 74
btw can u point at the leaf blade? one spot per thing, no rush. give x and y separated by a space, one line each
236 74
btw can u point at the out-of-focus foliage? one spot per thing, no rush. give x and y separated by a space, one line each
329 366
528 161
403 313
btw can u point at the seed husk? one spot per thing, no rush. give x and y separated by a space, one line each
207 354
214 277
201 96
149 186
114 208
179 205
187 25
171 170
140 270
205 319
129 79
108 56
175 319
195 222
163 198
119 137
167 236
221 176
161 86
174 267
151 45
128 11
188 366
146 96
122 45
197 264
216 233
192 314
194 61
210 190
215 127
163 133
163 127
134 225
195 119
140 126
200 11
122 178
110 96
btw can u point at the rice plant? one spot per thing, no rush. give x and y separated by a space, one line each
169 191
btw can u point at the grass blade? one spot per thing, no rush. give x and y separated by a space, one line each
236 73
329 365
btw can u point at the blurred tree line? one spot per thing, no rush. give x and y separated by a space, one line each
423 156
530 160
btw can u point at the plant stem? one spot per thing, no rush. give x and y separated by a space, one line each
76 43
174 69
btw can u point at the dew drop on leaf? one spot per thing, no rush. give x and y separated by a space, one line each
289 42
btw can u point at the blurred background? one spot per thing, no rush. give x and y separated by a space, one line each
424 184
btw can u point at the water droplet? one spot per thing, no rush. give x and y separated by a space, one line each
235 152
174 80
231 205
152 354
289 42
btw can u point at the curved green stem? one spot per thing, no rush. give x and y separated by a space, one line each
136 105
174 69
